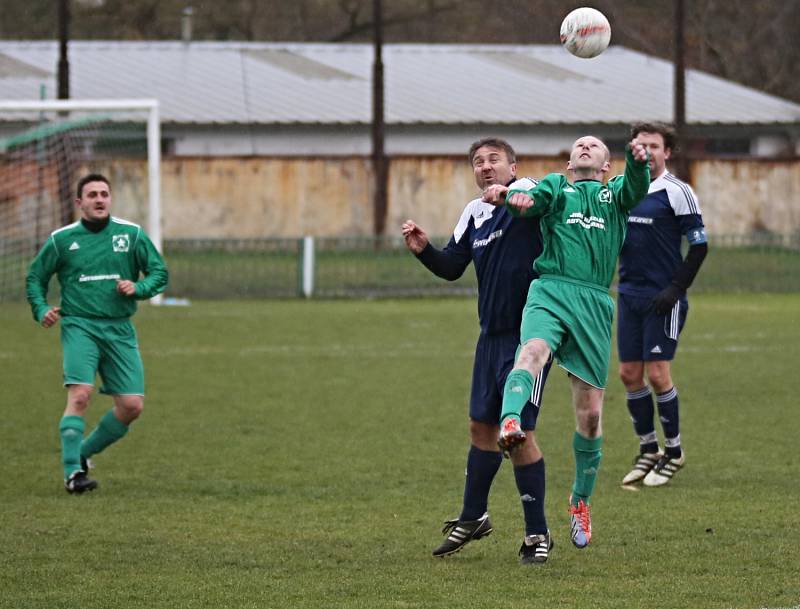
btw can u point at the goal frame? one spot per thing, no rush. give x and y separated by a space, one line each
151 106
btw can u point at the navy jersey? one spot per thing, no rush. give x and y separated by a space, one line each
502 249
652 250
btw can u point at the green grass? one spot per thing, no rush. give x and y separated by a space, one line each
304 454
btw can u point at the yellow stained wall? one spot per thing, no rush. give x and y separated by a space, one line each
291 197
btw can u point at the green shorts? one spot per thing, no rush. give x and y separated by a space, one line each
574 319
105 346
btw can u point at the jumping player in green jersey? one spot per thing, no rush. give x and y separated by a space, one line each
568 312
104 265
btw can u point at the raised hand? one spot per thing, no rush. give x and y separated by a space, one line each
638 150
416 238
495 194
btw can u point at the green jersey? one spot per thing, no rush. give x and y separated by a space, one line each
89 264
584 223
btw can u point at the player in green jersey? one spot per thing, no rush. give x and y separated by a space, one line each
104 265
568 313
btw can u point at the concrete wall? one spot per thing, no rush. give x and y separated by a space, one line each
278 197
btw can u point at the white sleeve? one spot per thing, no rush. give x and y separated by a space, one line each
523 184
682 197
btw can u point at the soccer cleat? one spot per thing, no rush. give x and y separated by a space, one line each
511 435
535 549
78 482
461 532
664 470
581 523
642 465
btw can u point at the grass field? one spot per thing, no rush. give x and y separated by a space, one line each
304 455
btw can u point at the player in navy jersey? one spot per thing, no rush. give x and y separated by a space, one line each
502 250
652 305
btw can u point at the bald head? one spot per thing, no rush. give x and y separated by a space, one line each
589 158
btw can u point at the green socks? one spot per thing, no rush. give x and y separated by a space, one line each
516 393
71 430
108 430
587 462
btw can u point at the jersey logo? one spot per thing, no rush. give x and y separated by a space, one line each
656 349
484 242
604 196
121 243
74 246
483 216
586 222
569 189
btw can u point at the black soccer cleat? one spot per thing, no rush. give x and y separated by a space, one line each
78 482
535 549
461 532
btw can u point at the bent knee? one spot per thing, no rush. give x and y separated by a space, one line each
533 355
130 406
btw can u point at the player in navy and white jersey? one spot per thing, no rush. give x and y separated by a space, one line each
652 304
502 250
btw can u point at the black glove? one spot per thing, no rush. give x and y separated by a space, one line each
666 299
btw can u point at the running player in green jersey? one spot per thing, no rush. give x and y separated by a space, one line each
104 265
568 313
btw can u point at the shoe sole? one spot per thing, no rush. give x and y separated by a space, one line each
458 549
511 442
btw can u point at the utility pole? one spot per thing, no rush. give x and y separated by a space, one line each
680 160
379 162
63 38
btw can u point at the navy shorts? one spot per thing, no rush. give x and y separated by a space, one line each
644 336
494 359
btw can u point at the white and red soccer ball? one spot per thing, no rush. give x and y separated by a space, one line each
585 32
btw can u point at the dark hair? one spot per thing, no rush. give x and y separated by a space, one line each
493 142
92 177
665 130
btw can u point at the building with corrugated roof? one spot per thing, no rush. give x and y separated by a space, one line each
314 99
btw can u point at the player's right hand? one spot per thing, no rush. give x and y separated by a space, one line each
639 151
51 317
416 238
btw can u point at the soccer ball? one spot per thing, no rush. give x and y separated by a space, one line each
585 32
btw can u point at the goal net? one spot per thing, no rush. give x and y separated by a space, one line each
45 148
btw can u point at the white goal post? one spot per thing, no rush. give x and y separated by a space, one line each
33 132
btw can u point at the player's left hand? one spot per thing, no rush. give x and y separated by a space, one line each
638 150
666 299
126 287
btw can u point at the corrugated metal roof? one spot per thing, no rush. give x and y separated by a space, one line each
239 82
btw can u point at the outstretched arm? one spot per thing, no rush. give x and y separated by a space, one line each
636 181
448 263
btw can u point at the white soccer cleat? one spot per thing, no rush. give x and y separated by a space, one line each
643 464
664 470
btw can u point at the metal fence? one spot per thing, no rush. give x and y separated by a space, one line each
365 267
382 267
